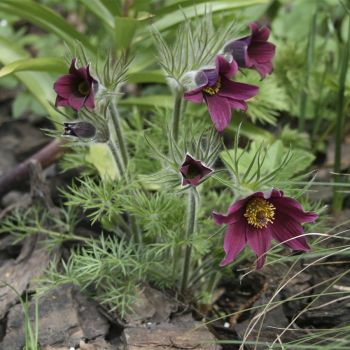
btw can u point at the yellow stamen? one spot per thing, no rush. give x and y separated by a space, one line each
259 212
212 90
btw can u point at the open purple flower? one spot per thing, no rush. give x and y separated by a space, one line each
259 218
253 51
76 89
220 93
193 171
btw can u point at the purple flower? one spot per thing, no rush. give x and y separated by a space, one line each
259 218
253 51
193 171
220 93
76 89
79 129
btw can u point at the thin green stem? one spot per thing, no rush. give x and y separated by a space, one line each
337 195
191 221
309 62
115 120
177 114
116 156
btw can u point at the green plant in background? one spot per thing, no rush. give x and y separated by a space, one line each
137 60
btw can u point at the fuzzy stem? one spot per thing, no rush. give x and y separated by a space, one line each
177 114
191 221
337 195
115 119
116 157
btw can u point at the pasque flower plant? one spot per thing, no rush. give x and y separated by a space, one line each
76 89
259 218
219 92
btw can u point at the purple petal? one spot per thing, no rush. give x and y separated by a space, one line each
224 67
235 104
237 91
234 242
211 76
260 241
61 101
65 85
262 52
76 102
284 229
90 101
259 34
219 110
73 68
293 209
235 213
195 96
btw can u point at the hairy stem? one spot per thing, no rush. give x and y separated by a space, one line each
177 114
337 195
191 221
115 120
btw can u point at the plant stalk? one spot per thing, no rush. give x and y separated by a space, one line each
191 221
337 195
115 119
177 114
309 62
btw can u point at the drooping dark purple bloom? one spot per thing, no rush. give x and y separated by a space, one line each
259 218
193 171
253 51
76 89
78 129
220 93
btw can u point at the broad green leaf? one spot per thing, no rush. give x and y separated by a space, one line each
39 84
101 157
176 17
125 28
41 64
100 11
276 152
151 76
160 101
44 18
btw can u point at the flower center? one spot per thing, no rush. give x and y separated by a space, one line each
84 88
193 171
212 90
259 212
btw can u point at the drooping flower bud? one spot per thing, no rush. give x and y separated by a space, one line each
193 171
83 130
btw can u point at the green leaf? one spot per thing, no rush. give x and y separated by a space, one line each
44 18
160 101
39 84
101 157
176 17
125 28
41 64
100 11
151 76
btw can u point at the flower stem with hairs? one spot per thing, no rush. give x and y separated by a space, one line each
191 223
115 119
177 114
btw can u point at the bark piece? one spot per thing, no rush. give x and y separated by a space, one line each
180 334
